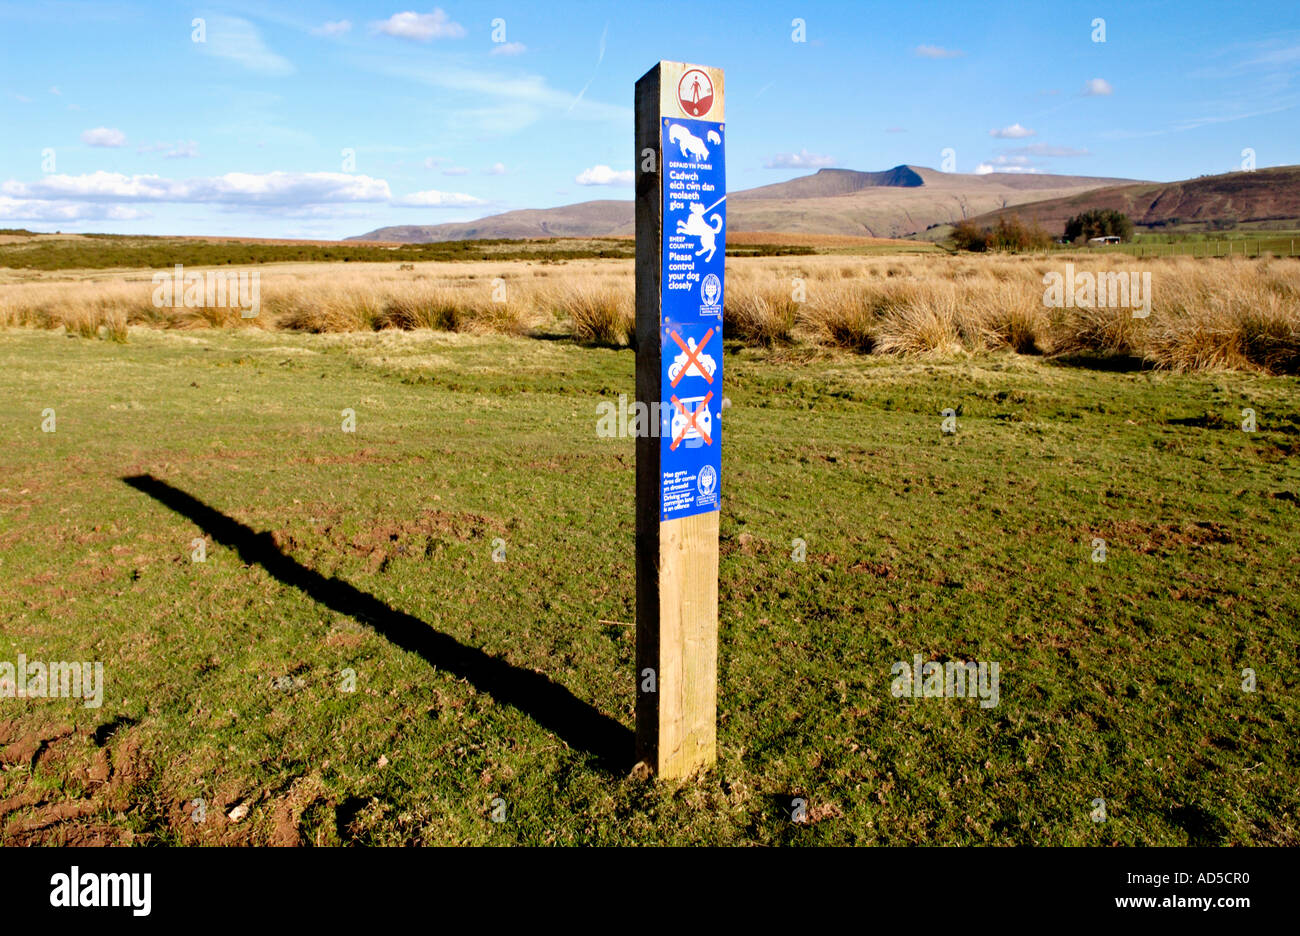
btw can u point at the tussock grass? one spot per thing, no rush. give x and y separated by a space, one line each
917 320
598 313
1235 313
1221 321
1107 331
760 313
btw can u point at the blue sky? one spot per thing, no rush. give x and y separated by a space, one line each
112 118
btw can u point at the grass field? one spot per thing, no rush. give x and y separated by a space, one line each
477 680
110 251
1230 313
26 251
1236 244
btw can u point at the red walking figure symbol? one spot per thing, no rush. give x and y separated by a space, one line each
695 93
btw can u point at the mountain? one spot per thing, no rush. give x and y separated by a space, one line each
1264 195
828 182
901 201
892 203
585 219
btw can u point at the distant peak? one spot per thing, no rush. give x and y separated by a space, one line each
830 182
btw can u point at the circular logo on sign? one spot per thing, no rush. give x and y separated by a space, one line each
707 481
711 289
695 93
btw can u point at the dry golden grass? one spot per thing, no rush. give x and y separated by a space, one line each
599 313
1223 313
759 311
750 238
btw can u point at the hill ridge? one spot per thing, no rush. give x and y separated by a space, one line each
1260 195
894 202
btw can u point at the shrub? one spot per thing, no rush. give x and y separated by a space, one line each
967 235
1099 222
1013 234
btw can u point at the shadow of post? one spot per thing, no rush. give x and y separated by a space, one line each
548 703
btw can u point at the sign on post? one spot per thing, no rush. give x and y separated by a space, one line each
681 220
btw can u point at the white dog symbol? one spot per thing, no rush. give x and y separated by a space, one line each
690 144
696 226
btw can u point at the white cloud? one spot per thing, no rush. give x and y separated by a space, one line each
20 98
986 168
800 160
107 195
1097 87
455 170
433 198
604 175
431 162
1013 132
332 212
508 103
495 169
54 89
182 149
103 136
237 40
1008 163
420 27
12 209
600 57
937 52
233 188
336 28
509 48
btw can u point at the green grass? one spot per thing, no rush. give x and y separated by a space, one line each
900 246
1183 242
112 251
1230 243
1181 235
1118 680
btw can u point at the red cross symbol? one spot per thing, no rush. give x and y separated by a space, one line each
690 419
691 357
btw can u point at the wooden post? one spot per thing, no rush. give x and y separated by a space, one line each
680 265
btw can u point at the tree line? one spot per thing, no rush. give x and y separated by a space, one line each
1013 234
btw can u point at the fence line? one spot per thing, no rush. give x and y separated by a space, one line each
1223 247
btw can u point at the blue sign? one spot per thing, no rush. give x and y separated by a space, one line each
693 286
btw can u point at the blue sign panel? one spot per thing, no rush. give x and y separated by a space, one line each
694 255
